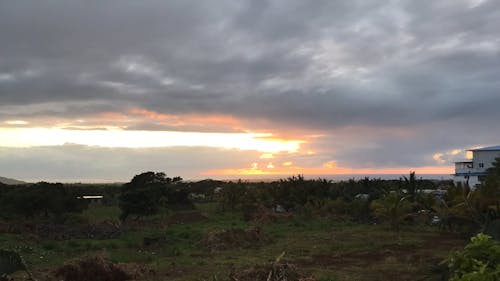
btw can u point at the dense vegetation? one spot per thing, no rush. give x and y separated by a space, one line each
147 193
478 261
164 228
39 200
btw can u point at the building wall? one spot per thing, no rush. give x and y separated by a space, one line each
472 181
484 157
482 160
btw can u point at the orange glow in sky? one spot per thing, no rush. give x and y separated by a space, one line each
30 137
186 119
328 168
114 130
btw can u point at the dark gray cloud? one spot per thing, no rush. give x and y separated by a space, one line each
427 67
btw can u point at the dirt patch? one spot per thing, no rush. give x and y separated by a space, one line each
187 217
234 238
272 272
96 268
258 214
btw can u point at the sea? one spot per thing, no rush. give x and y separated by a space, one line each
334 178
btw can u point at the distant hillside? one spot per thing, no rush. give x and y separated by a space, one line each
10 181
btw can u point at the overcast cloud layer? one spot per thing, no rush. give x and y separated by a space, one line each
385 83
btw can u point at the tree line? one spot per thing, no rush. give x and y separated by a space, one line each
365 200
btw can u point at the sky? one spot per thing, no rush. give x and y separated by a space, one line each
104 90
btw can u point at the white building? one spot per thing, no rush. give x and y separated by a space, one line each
473 171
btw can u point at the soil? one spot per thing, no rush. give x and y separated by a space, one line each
97 268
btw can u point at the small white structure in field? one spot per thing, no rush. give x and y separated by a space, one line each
473 171
362 196
92 198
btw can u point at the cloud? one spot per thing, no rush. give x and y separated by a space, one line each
85 163
386 84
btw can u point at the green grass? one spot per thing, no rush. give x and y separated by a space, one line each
328 249
97 213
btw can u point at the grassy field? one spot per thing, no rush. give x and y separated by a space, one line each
324 248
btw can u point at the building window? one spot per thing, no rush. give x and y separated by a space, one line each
481 165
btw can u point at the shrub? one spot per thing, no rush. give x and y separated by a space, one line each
478 261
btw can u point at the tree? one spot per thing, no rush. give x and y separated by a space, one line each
392 207
411 185
41 199
231 196
146 193
491 186
466 210
478 205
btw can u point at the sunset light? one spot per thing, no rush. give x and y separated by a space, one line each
144 139
198 88
248 140
327 169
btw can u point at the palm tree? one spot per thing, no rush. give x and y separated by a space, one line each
392 207
411 185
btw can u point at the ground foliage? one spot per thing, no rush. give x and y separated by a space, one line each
478 261
234 238
330 229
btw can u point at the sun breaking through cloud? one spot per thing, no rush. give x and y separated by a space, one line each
365 86
145 139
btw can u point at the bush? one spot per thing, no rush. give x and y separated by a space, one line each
478 261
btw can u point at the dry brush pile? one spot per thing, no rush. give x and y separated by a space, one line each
97 268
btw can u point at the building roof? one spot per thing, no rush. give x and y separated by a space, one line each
470 174
488 148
